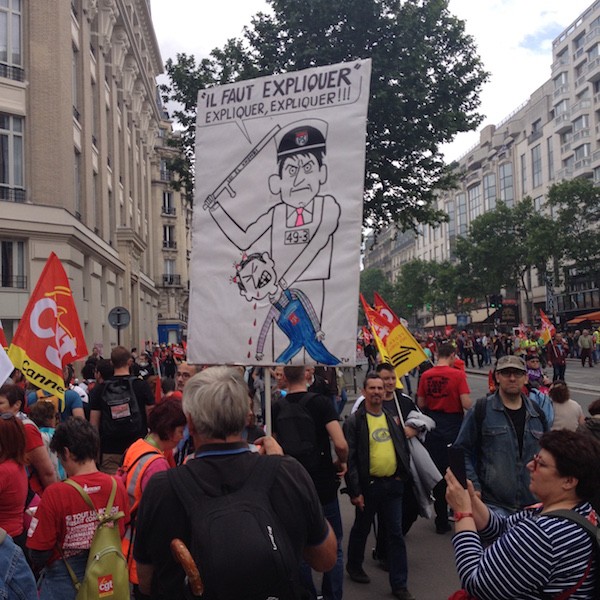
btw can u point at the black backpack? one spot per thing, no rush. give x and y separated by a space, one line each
237 541
121 415
296 432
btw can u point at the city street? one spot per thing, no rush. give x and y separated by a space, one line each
431 570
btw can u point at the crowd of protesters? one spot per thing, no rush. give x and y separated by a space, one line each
44 440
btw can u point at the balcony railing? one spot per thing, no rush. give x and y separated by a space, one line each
13 281
170 279
170 211
12 194
581 134
10 72
169 244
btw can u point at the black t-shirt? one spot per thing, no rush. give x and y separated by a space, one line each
144 396
518 420
161 516
323 412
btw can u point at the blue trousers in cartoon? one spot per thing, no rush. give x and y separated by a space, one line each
295 322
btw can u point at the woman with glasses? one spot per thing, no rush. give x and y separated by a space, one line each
13 478
533 554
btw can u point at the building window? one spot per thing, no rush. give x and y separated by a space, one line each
561 107
75 83
12 264
169 236
582 122
582 151
536 166
77 184
489 191
507 194
550 158
168 206
461 214
11 57
474 202
538 203
451 219
11 158
523 173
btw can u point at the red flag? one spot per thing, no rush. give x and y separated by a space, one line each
548 330
3 341
49 334
367 337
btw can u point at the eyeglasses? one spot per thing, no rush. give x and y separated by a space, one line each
7 416
538 462
511 372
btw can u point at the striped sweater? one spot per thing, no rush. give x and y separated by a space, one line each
534 557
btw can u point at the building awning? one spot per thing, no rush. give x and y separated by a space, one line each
478 316
442 321
593 316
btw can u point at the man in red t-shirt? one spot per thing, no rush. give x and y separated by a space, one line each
443 394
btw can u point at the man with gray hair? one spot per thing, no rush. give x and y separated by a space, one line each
247 519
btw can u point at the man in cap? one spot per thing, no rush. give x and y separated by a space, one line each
301 226
500 436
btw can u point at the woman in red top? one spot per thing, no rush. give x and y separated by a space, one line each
37 459
13 478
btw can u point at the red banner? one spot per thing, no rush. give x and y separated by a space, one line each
49 335
3 341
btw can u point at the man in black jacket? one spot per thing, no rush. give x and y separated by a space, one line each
378 468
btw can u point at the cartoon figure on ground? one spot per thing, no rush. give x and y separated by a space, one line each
291 310
300 227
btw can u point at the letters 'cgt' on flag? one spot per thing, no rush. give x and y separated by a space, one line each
548 330
49 334
400 347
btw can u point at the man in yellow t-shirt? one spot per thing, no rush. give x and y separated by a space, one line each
378 469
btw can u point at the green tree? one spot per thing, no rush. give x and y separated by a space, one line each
374 280
412 287
576 205
425 86
503 245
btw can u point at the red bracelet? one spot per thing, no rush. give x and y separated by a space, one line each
461 515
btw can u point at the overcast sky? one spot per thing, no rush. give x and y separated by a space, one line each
514 39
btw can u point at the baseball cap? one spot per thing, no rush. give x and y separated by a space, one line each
511 362
300 139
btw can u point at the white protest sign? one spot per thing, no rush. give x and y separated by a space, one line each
277 218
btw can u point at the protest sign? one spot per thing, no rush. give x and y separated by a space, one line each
276 233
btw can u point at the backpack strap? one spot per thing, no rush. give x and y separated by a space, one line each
593 531
109 506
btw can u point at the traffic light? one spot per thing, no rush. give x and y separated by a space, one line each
495 300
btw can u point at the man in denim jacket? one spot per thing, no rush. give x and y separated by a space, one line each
16 578
499 446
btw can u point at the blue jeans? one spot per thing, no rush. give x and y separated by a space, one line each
56 582
384 495
333 581
16 579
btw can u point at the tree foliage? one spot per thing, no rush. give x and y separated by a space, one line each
504 244
576 205
425 86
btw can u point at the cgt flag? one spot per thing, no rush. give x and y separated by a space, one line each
548 330
401 348
49 334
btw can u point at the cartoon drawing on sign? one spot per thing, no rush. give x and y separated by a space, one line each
299 229
291 309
